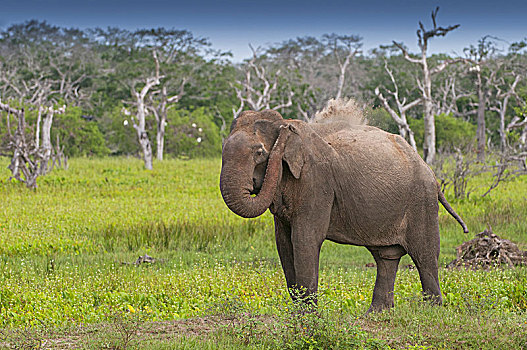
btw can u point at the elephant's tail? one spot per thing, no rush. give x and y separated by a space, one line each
448 208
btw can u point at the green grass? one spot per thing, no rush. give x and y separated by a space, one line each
63 245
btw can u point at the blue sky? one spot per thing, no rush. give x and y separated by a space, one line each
232 25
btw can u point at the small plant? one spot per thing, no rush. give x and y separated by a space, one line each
122 331
23 338
301 327
459 170
230 306
323 329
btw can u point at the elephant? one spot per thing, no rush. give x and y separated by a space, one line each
350 184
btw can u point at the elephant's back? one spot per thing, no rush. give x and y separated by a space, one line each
374 148
377 175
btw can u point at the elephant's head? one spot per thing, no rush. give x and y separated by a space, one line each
252 160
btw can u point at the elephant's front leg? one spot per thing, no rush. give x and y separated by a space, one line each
285 251
307 236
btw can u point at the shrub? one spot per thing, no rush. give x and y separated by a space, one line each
192 134
79 135
450 131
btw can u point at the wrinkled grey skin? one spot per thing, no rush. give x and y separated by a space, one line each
352 185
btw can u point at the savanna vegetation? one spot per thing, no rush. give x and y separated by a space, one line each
119 133
217 282
159 92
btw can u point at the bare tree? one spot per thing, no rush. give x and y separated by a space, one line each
317 69
44 64
451 88
163 63
159 109
398 116
481 57
504 92
29 160
175 56
425 82
343 48
259 88
141 110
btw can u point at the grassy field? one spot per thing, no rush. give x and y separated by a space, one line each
218 283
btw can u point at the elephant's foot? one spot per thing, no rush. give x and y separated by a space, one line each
432 298
379 307
303 300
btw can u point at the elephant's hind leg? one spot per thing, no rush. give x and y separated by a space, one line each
425 255
387 260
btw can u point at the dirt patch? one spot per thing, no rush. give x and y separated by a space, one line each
488 250
80 335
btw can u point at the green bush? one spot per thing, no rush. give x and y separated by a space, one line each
120 135
78 135
450 131
192 134
381 119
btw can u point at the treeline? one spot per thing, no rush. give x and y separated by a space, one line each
165 92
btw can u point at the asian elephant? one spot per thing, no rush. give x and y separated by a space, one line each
353 185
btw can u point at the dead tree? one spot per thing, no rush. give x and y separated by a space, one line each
446 103
503 95
344 48
140 103
25 162
159 104
59 159
450 91
520 122
398 116
159 109
46 147
261 92
425 83
479 58
30 158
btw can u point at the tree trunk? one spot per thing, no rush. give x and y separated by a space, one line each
408 134
46 141
160 137
146 148
37 128
503 134
142 135
340 85
429 142
523 138
480 131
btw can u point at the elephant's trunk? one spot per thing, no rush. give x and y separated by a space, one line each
237 194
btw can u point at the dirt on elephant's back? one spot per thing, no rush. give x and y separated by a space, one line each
488 250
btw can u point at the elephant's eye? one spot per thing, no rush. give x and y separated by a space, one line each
259 151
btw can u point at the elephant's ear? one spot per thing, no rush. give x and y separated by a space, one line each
293 154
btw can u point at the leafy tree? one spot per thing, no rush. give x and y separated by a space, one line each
451 132
79 134
119 133
193 134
